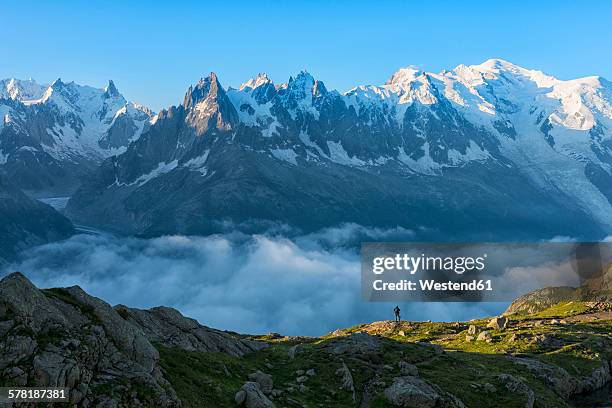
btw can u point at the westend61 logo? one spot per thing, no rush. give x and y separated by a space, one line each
475 271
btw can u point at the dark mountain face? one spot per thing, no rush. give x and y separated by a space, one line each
25 222
403 154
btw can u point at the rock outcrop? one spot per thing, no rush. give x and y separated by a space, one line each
170 328
541 299
346 379
517 386
251 396
411 392
597 288
498 323
66 338
63 337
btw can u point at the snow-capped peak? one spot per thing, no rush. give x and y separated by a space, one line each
21 90
496 65
404 76
494 68
303 81
80 121
259 80
57 84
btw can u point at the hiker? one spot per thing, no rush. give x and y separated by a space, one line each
397 313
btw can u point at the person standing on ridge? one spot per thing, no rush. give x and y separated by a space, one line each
397 313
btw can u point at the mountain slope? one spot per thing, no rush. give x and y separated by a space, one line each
63 337
489 151
52 136
25 222
596 288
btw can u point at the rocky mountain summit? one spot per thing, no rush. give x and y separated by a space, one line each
111 357
458 153
52 136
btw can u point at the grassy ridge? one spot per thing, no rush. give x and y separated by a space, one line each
469 370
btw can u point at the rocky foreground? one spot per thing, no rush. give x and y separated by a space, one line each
124 357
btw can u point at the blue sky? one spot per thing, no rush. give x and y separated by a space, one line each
154 50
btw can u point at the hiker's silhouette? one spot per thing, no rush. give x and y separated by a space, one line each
397 313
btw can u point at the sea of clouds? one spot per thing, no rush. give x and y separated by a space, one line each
303 285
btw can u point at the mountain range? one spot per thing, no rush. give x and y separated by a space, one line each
489 151
53 136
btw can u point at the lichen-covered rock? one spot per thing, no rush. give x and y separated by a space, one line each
411 392
485 336
355 343
264 380
498 323
516 386
66 338
253 396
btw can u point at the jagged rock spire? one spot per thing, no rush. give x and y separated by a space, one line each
111 89
208 87
213 106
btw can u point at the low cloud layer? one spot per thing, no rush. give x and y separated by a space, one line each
308 285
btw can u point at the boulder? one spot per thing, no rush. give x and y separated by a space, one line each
408 369
355 343
498 323
240 397
485 336
266 384
251 396
411 392
293 350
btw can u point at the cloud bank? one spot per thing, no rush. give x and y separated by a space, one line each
306 285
